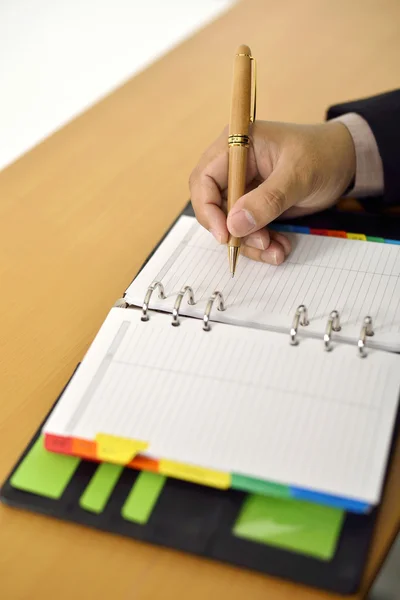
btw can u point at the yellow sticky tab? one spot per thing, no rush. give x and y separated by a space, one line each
194 474
356 236
114 449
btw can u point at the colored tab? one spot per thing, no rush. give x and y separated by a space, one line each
396 242
298 229
111 448
58 443
348 504
217 479
97 493
259 486
142 463
143 497
44 473
356 236
319 231
337 234
300 527
371 238
84 448
280 227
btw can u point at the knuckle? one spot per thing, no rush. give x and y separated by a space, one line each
274 200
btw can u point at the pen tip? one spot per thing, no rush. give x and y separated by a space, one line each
233 253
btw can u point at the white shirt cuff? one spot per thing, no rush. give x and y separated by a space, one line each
369 179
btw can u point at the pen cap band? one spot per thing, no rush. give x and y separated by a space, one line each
238 140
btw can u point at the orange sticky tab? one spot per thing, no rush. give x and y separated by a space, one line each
357 236
114 449
217 479
142 463
58 443
84 448
338 234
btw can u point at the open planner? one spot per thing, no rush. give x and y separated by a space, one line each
283 380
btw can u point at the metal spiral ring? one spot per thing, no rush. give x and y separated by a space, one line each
150 290
366 330
333 324
220 306
175 312
300 318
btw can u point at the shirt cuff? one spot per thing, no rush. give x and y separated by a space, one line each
369 179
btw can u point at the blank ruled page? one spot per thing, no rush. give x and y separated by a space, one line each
238 400
356 278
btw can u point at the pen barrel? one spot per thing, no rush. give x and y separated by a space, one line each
239 127
236 180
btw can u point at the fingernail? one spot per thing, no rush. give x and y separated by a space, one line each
217 235
255 241
270 256
241 222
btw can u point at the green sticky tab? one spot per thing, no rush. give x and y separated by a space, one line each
371 238
143 497
259 486
44 473
97 493
296 525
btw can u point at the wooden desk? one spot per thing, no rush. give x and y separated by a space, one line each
80 213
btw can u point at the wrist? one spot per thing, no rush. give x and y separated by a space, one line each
343 153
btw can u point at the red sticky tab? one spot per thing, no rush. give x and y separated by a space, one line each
319 231
338 234
58 443
143 463
84 448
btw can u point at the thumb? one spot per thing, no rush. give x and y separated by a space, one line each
262 205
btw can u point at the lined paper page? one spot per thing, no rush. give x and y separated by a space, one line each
238 400
354 277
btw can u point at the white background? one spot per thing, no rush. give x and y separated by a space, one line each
58 57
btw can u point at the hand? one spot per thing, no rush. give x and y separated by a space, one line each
293 170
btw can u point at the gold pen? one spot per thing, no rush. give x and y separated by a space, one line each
242 114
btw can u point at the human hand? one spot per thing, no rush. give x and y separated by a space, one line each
292 170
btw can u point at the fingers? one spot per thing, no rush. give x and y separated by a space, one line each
274 252
208 184
259 207
205 189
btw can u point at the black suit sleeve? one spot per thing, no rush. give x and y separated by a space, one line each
382 114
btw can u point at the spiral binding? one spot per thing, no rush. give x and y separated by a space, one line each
366 330
220 306
300 318
333 324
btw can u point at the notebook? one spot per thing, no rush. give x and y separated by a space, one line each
291 391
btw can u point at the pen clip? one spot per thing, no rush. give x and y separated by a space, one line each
253 89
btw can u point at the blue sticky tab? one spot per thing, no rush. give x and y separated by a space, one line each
397 242
299 229
348 504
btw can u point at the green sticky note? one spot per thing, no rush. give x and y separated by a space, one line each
296 525
143 497
97 493
371 238
259 486
44 473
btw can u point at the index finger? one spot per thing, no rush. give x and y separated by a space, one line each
207 182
